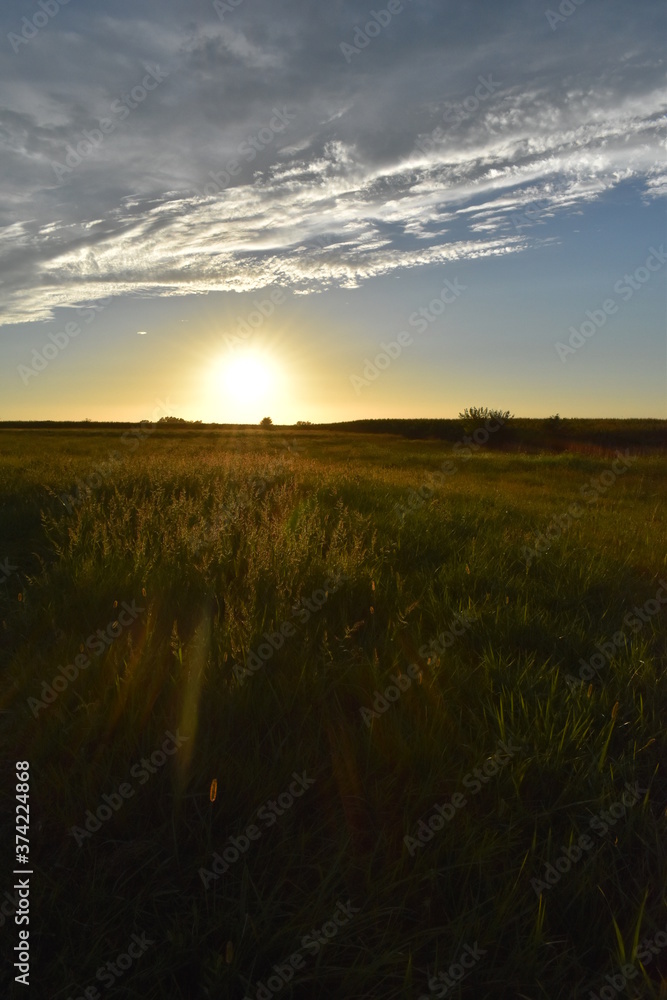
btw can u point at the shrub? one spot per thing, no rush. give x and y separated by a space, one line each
483 413
474 416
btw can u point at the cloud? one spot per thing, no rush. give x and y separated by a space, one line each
355 186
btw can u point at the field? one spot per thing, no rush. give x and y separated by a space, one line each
314 713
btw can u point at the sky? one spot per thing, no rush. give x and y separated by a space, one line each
328 211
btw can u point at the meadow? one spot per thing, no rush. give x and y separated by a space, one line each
347 715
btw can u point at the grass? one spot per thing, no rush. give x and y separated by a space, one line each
219 537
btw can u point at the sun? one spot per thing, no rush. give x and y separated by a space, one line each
246 377
243 384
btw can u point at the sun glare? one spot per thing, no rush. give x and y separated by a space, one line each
246 377
243 383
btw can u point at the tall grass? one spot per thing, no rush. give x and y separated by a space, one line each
219 538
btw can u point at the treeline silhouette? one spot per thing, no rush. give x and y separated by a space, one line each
521 434
524 433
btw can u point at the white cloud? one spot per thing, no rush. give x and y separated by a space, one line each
566 126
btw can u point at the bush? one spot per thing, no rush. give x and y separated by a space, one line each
474 416
266 422
484 413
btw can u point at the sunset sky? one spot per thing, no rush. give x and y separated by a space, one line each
228 208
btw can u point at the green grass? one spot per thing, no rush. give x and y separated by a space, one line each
218 536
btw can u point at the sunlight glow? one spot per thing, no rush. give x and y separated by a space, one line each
245 382
246 377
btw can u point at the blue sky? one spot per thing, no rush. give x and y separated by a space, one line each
513 149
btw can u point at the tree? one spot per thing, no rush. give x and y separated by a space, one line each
474 416
483 413
266 422
178 420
